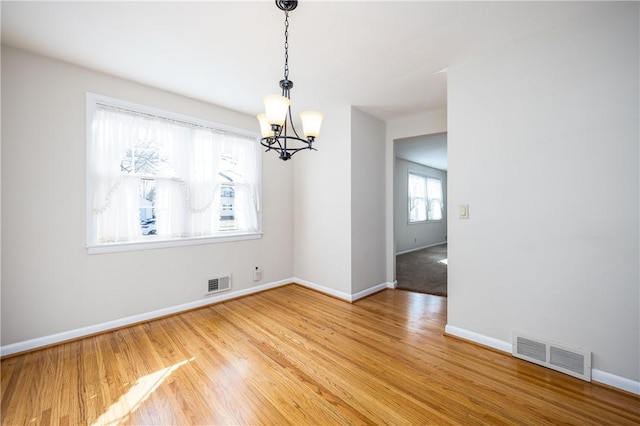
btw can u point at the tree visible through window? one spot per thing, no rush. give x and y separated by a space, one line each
152 176
425 198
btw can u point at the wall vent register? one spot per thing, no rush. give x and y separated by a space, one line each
573 361
216 285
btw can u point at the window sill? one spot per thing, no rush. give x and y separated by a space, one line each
181 242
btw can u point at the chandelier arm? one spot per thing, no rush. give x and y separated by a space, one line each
295 132
269 148
276 140
272 142
284 138
267 143
294 151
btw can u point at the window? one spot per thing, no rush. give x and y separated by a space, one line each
425 198
156 178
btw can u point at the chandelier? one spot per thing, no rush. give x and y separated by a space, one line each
276 125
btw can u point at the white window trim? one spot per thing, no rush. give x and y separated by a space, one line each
92 99
180 242
422 222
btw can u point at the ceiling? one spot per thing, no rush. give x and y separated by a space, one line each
384 57
429 150
380 56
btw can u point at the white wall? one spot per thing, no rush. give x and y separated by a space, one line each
543 146
367 201
415 235
49 282
426 123
339 206
322 206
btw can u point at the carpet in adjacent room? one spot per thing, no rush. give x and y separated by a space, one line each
423 271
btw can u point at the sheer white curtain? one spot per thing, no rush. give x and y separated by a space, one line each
247 185
189 186
187 176
203 181
171 211
171 189
115 193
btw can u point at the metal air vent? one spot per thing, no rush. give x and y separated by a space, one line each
575 362
219 284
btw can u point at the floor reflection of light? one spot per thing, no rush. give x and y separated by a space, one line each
421 307
415 312
137 394
445 261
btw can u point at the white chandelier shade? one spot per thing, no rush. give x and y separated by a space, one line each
276 108
311 122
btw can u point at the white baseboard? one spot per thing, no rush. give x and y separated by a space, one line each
53 339
420 248
599 376
615 381
368 291
322 289
341 295
481 339
78 333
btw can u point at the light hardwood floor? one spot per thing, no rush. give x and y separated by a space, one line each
295 356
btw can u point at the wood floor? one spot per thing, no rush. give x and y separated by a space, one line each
295 356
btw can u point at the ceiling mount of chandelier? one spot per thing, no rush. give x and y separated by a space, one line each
276 124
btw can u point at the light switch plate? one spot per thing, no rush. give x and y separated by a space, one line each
463 211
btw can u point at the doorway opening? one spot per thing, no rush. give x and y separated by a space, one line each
420 219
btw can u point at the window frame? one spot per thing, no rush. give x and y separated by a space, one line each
150 241
426 178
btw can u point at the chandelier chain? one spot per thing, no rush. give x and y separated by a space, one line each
286 46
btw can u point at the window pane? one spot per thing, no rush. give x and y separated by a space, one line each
227 208
142 158
147 206
425 198
417 198
435 210
434 194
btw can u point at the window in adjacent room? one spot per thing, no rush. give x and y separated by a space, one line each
425 198
156 178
